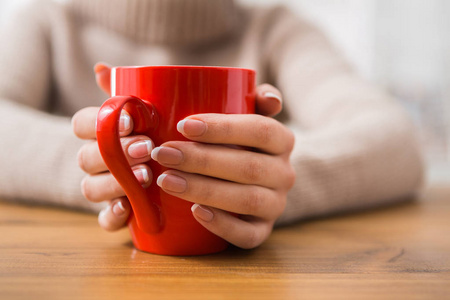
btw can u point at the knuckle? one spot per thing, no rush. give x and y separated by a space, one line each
290 141
259 233
204 192
253 201
75 122
86 189
83 158
79 120
264 131
290 176
80 159
253 170
253 240
276 206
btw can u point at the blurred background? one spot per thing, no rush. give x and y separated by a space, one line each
402 45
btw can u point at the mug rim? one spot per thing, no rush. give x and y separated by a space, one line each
183 67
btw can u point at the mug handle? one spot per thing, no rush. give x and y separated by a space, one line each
145 118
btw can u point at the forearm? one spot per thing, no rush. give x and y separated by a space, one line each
355 146
371 159
39 162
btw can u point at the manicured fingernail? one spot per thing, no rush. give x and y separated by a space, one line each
118 209
202 212
167 155
191 127
125 122
272 96
140 149
141 175
172 183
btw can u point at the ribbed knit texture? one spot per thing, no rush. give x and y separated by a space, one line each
176 22
355 147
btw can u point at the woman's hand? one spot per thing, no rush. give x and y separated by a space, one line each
217 179
99 185
220 179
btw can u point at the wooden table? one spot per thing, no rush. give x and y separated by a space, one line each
400 252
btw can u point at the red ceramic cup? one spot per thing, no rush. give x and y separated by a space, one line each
157 98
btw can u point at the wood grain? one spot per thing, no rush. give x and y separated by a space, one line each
400 252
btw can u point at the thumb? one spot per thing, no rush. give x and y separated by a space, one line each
268 100
103 77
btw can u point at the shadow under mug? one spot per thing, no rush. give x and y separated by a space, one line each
157 98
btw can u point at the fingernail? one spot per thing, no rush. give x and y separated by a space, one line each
141 175
191 127
202 212
118 209
272 96
167 155
172 183
140 149
100 67
125 122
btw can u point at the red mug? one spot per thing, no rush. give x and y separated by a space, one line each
157 98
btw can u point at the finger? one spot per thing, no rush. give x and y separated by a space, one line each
245 234
233 197
102 187
103 77
136 148
263 133
268 100
84 121
226 163
115 215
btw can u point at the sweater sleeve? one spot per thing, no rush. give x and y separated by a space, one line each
38 150
355 146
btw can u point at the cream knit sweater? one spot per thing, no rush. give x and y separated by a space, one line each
355 148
